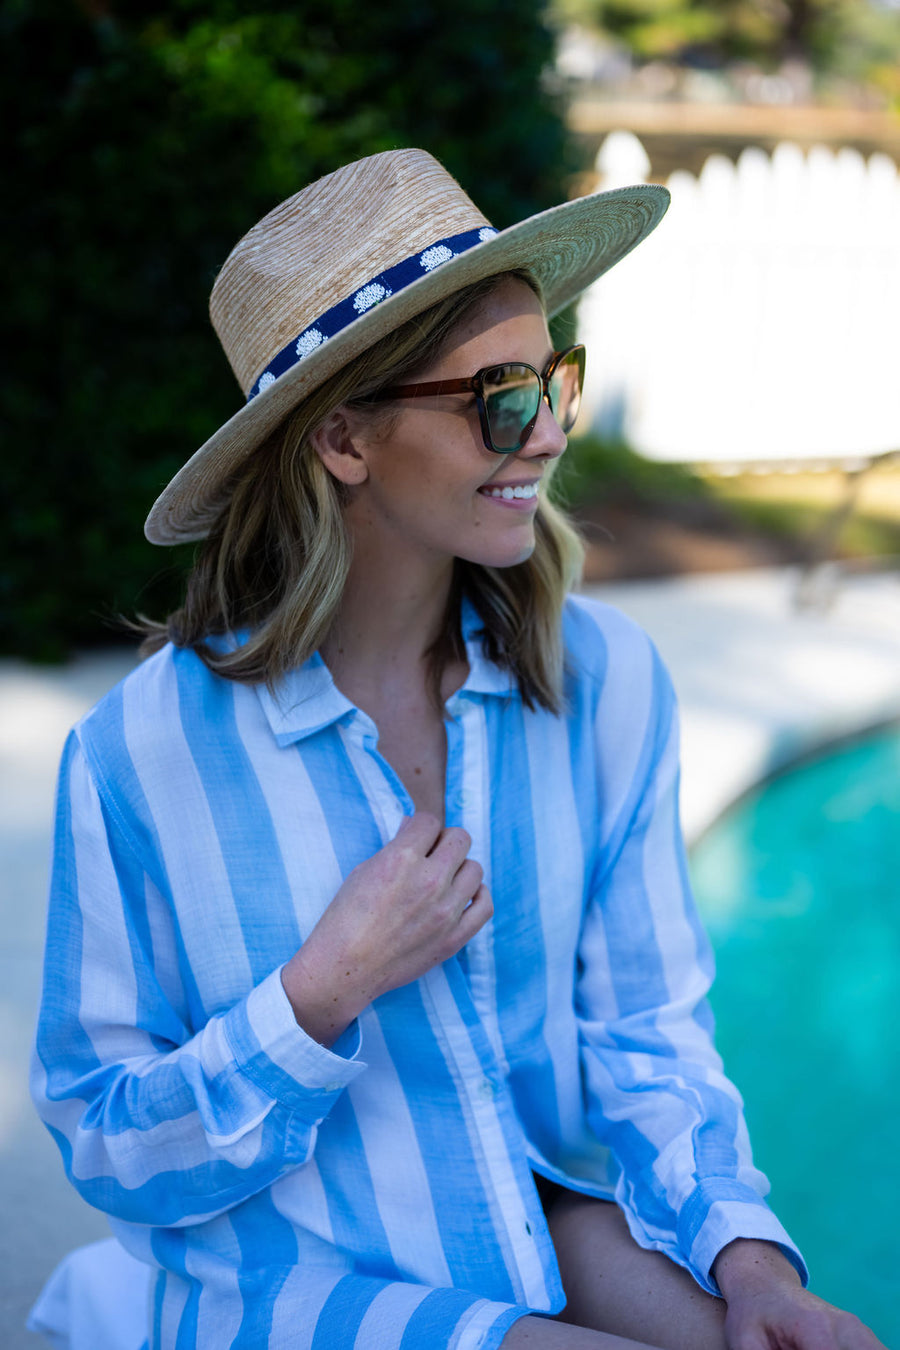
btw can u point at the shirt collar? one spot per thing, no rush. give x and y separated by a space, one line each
304 701
484 676
307 700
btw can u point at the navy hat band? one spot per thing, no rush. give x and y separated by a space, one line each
387 283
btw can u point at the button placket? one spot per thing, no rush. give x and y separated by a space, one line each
499 1134
386 795
468 779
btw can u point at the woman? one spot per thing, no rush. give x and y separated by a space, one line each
372 975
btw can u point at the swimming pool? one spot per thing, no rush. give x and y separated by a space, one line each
799 887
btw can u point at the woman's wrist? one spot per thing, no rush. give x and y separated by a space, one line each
749 1265
324 999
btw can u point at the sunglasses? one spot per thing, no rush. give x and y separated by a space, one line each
509 396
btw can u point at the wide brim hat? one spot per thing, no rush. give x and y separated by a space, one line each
349 259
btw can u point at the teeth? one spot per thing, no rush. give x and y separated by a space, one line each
527 492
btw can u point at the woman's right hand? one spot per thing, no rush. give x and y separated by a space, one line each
412 905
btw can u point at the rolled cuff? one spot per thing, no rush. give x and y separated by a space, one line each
727 1221
721 1211
487 1325
278 1056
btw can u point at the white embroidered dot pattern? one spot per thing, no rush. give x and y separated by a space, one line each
369 295
433 257
308 342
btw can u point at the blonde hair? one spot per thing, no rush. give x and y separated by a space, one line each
277 560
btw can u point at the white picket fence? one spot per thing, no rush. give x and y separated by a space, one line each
761 321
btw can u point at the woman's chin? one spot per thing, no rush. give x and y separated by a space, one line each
502 557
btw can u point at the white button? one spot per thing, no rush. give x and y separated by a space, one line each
486 1089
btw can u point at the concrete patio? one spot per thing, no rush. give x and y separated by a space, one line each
759 683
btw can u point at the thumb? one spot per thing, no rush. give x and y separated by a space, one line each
421 830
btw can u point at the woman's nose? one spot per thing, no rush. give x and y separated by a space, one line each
548 440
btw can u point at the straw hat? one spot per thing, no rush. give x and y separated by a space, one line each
347 260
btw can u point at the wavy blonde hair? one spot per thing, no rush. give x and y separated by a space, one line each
276 562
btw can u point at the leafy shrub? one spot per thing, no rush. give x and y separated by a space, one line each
145 139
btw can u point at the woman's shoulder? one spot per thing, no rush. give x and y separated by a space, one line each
145 710
611 661
597 635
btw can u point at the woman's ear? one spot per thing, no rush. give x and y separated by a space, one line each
336 448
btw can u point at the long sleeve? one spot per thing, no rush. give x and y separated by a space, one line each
656 1092
159 1122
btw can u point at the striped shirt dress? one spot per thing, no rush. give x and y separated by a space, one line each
379 1195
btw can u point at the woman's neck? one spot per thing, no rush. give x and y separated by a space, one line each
387 622
391 613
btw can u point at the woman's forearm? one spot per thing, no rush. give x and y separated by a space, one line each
767 1304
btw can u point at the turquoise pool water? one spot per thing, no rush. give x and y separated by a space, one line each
799 887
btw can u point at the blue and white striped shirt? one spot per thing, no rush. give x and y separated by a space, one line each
378 1196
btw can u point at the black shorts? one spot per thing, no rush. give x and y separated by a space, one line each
548 1191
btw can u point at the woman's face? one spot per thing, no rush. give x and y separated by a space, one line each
429 489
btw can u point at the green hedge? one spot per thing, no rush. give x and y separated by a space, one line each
143 141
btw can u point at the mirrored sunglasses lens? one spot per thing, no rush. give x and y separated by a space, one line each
512 394
565 389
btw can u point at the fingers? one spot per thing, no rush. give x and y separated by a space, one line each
475 915
483 905
451 848
412 905
447 849
468 879
424 832
420 832
796 1320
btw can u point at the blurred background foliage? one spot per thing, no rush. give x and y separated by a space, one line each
143 140
642 517
838 40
